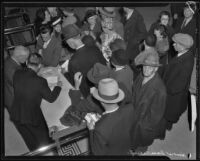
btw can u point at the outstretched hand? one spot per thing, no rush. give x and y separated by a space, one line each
77 79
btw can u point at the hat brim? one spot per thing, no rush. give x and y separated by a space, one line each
152 65
118 99
96 81
107 14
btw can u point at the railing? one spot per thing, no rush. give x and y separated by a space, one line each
74 137
8 32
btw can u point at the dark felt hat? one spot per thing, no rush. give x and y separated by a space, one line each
70 31
98 72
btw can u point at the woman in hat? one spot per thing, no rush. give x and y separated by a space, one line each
92 24
187 24
42 17
164 19
162 43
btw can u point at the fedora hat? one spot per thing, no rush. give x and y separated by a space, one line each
119 57
70 31
108 91
183 39
107 11
98 72
151 59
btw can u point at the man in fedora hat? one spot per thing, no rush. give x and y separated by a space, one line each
177 75
134 31
110 135
83 58
88 105
149 100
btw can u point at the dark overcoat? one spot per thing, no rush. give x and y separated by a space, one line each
177 75
149 103
134 32
111 135
82 61
10 66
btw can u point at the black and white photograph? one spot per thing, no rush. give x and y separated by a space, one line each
100 79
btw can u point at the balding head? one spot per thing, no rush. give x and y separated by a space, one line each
21 54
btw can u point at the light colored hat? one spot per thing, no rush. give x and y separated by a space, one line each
108 91
151 59
107 11
183 39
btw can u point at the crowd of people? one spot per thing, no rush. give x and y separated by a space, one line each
130 84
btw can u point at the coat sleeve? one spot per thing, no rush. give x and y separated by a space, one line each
57 54
97 143
47 94
142 31
174 85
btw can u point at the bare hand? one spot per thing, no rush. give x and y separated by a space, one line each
91 124
59 83
77 79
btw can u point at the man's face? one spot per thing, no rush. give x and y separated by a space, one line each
58 28
71 43
107 23
164 20
187 12
148 71
178 47
92 20
46 36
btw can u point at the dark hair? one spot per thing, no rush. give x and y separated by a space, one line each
164 13
162 29
88 40
89 14
34 59
40 14
44 28
150 40
117 44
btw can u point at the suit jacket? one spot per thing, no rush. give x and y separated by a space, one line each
52 54
10 67
29 90
149 102
134 32
177 75
82 61
111 135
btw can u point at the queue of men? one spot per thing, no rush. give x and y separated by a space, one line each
126 96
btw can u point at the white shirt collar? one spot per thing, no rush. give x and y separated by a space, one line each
46 44
80 46
181 53
119 68
15 60
106 112
129 15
